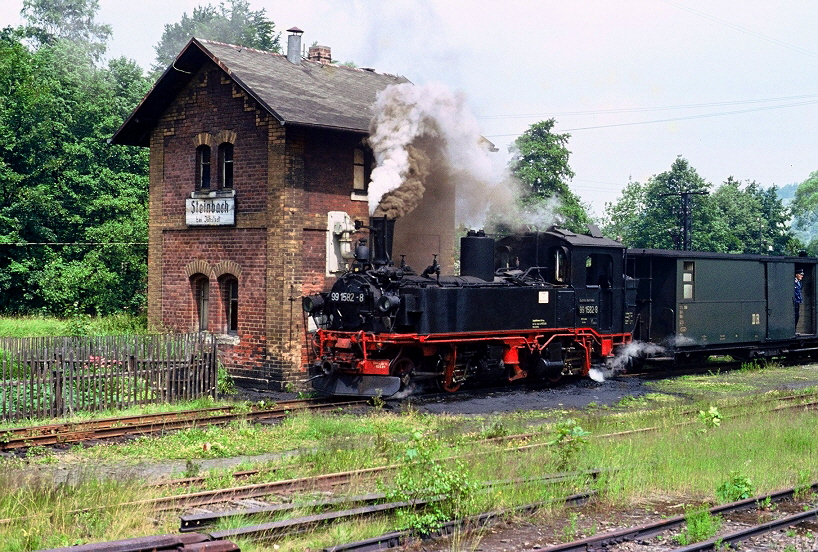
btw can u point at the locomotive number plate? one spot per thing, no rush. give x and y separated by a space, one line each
347 297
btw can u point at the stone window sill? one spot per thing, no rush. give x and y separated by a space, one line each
200 194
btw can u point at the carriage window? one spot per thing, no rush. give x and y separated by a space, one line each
560 265
599 270
688 273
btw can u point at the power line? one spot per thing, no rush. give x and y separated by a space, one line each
648 109
743 29
671 119
73 243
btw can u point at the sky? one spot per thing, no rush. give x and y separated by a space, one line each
731 86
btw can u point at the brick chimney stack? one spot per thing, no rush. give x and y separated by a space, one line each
319 53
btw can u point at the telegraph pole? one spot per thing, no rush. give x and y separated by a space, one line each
686 217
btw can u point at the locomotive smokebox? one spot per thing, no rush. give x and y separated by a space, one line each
477 256
381 232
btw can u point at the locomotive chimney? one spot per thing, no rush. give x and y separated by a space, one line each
381 231
294 45
477 256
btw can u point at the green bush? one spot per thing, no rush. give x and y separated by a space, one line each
737 487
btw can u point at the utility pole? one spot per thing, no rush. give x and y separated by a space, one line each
686 217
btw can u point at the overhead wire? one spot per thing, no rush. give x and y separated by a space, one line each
671 119
742 29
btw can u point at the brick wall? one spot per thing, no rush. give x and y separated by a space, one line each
286 179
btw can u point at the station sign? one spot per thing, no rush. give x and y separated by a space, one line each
206 211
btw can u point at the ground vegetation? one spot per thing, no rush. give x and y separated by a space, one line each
686 460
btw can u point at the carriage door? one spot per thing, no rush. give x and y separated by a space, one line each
806 322
780 314
599 276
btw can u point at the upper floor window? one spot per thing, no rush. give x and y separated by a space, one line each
226 165
359 171
203 167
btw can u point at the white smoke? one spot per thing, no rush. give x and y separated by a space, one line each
418 131
679 341
634 350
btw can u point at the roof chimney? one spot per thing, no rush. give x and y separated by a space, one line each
319 53
294 45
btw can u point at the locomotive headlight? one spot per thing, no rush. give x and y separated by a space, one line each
388 303
312 303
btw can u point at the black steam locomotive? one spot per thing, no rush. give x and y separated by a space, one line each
543 305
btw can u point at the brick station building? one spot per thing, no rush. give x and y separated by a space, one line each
258 168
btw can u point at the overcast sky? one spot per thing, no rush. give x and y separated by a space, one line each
732 86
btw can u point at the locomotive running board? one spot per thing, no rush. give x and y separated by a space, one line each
357 385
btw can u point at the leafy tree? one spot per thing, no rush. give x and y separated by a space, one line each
805 204
649 214
74 20
62 186
734 218
236 24
540 161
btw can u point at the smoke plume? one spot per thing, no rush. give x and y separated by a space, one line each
634 350
426 141
403 199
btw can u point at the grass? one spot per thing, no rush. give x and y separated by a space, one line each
42 326
687 457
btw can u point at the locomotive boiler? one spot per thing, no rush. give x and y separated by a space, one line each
536 306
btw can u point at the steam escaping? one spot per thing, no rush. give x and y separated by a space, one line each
680 341
624 358
427 142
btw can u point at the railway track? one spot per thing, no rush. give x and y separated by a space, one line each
639 534
107 428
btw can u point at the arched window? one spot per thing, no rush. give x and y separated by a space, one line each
201 296
226 165
230 300
203 167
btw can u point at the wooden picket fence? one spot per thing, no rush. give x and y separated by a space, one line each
55 376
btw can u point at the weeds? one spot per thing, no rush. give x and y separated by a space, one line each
570 440
737 487
437 491
570 532
710 419
701 525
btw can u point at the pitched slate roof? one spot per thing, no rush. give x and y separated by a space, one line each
307 93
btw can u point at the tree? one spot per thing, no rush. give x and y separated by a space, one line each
805 204
734 218
73 20
62 186
236 24
540 161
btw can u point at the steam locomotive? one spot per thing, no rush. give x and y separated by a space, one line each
543 305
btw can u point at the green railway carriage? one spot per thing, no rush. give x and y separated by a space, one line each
710 303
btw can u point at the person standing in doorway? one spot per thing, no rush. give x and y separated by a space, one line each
797 296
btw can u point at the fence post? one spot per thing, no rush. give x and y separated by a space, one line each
57 383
